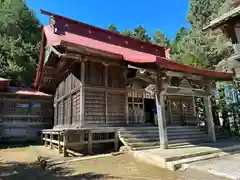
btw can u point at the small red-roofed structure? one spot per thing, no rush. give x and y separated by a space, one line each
24 112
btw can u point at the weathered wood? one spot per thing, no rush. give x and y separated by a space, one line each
208 109
51 141
106 94
116 140
59 143
90 142
45 140
161 116
82 95
65 143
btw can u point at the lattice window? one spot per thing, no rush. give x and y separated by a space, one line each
95 73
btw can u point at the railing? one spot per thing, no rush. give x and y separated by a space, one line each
67 139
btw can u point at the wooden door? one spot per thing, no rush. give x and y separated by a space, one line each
180 110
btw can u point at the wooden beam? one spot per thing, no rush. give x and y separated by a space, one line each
71 47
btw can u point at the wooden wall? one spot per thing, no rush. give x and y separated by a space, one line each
105 94
67 99
23 117
93 93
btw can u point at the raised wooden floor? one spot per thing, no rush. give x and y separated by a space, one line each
71 140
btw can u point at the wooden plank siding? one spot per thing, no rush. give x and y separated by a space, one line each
92 93
23 117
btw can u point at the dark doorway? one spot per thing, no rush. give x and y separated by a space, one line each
149 105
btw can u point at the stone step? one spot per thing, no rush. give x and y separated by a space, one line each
171 132
174 165
172 143
156 138
156 135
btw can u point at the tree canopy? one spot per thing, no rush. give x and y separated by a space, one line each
195 47
160 39
113 28
20 34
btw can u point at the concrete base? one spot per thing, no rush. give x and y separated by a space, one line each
174 159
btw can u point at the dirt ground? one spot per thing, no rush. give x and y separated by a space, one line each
20 163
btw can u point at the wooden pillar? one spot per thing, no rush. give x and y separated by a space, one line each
65 138
194 106
126 109
208 111
90 142
106 93
82 94
116 140
42 136
51 140
45 142
161 115
59 143
71 96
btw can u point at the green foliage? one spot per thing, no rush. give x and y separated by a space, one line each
141 34
19 42
195 47
127 32
160 39
113 28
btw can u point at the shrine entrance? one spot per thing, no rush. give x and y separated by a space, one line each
150 111
180 111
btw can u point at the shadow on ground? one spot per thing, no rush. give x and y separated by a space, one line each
5 145
15 170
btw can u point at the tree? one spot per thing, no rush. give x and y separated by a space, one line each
160 39
113 28
127 32
198 48
141 34
20 35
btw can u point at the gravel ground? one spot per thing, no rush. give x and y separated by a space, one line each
19 163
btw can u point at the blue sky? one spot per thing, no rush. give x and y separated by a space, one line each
167 16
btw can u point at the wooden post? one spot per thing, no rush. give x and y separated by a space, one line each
65 138
208 111
51 139
126 108
116 140
59 143
194 107
82 93
45 142
161 115
90 142
42 142
106 93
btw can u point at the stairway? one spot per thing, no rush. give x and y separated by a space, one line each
147 137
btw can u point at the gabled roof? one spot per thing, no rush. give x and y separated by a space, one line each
65 30
224 18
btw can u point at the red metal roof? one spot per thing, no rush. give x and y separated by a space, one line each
96 38
26 91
